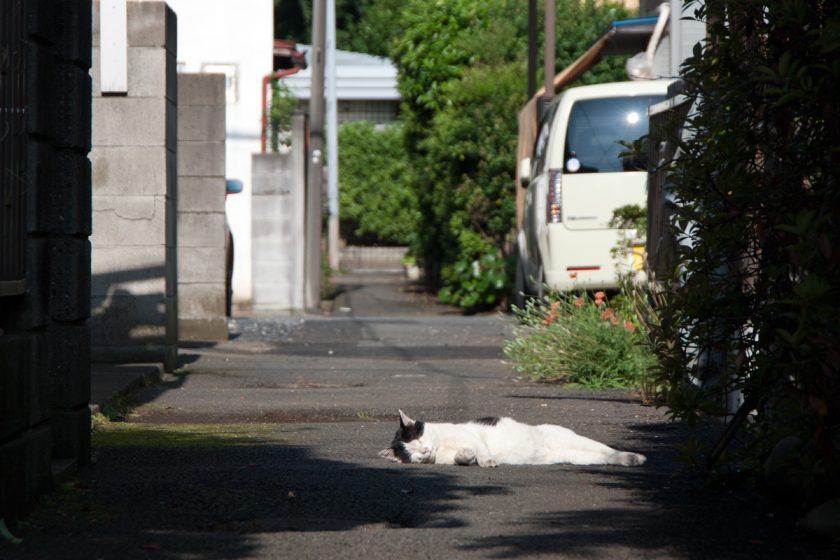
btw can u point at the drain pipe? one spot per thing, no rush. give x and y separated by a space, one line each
656 36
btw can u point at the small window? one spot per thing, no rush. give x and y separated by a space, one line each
597 125
541 144
231 73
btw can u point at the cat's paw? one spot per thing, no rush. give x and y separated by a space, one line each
487 462
465 457
629 459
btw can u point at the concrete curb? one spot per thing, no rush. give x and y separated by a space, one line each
108 381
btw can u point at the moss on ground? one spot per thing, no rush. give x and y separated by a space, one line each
182 435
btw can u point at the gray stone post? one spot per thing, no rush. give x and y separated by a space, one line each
134 305
201 207
278 214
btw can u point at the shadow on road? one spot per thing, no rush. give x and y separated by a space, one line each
671 515
191 494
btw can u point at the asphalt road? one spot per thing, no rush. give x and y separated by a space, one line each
313 400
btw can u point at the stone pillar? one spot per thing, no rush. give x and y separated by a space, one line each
277 223
201 207
44 337
134 287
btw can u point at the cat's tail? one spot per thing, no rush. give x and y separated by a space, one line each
626 459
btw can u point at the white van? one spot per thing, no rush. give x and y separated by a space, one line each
576 180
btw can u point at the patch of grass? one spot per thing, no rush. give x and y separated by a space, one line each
98 422
118 406
328 289
182 435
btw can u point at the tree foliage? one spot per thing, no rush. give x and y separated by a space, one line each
279 124
372 32
756 303
365 26
293 20
462 75
377 203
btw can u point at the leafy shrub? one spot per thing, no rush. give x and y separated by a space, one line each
631 219
754 300
475 284
282 104
471 199
377 202
573 338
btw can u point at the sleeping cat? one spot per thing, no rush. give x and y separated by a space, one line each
489 442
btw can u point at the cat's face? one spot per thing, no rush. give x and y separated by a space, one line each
409 445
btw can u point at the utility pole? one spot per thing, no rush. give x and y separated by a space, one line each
532 48
548 49
315 174
332 142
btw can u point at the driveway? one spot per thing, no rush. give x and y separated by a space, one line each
265 446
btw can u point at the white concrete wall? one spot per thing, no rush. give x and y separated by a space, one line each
239 33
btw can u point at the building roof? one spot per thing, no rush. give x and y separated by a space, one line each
358 76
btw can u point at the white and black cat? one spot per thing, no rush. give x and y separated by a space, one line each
489 442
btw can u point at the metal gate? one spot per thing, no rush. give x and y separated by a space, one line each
666 123
13 137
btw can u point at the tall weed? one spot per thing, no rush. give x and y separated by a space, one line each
588 341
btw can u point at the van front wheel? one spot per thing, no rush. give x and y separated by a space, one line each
519 288
540 279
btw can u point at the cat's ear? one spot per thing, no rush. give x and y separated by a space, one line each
389 454
405 421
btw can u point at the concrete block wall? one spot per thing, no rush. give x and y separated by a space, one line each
134 301
44 336
277 226
358 257
201 207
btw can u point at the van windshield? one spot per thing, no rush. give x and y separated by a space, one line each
596 126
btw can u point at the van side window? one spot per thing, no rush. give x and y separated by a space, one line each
597 125
541 144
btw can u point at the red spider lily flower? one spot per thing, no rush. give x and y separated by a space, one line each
629 326
598 302
600 295
579 302
551 316
607 314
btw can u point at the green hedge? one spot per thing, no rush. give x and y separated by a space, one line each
462 74
377 203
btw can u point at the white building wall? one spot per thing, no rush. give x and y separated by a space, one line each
234 37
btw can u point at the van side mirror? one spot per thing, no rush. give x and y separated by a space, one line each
525 171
